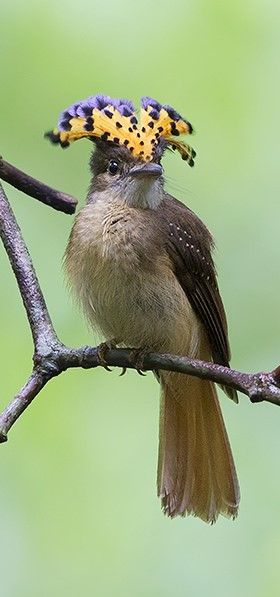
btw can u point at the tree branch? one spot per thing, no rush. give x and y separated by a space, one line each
52 357
20 260
36 189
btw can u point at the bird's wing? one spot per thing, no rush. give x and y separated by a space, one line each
189 247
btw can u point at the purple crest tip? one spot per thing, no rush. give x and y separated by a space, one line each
149 101
84 108
172 113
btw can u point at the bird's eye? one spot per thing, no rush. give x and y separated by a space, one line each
113 167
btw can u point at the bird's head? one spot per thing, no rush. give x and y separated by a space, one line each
127 158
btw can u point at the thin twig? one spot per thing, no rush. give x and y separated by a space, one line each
36 189
20 402
51 357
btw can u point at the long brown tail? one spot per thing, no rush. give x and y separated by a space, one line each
196 472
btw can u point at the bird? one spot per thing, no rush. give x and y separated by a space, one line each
140 263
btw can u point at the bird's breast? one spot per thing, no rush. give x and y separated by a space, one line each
110 235
123 279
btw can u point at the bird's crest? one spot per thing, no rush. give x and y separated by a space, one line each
115 121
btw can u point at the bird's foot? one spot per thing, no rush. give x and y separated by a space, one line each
102 350
137 357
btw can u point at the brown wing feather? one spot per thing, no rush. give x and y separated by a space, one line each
189 247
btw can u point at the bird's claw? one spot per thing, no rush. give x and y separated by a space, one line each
137 357
102 350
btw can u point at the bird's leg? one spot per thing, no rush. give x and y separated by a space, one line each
102 349
137 358
101 353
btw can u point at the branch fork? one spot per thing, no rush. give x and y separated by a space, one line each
52 357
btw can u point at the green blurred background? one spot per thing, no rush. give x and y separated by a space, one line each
78 506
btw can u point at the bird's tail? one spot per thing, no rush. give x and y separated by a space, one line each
196 472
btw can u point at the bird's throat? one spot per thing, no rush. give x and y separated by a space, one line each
142 193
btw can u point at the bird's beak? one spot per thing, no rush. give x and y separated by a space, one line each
149 169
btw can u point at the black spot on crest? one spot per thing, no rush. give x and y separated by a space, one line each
126 111
174 130
65 125
87 110
88 126
154 114
190 127
53 137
